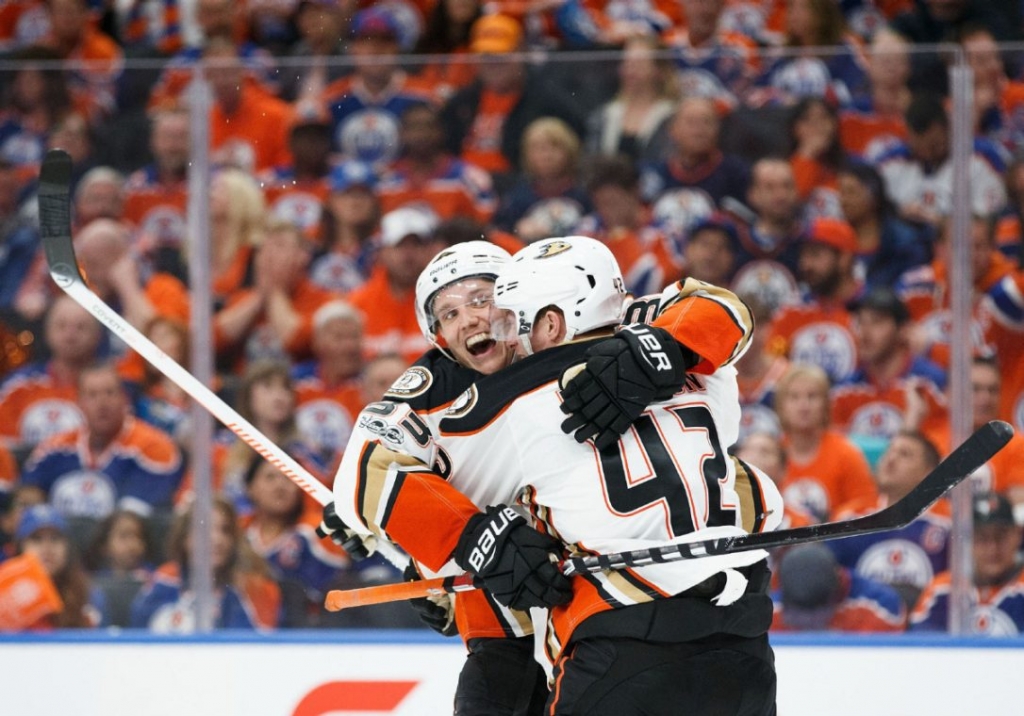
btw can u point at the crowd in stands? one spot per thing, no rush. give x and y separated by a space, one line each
796 151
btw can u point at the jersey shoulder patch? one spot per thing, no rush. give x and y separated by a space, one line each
431 382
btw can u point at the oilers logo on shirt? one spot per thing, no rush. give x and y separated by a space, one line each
827 345
991 621
165 224
808 495
769 282
84 493
369 135
298 208
896 561
46 418
325 423
879 419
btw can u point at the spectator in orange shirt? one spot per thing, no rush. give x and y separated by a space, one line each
351 214
40 399
97 59
874 123
873 400
485 121
816 154
387 299
274 317
547 199
1004 473
155 196
446 36
824 469
246 122
327 386
425 173
296 191
624 224
237 222
817 330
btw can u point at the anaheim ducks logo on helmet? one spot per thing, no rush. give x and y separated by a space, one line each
553 248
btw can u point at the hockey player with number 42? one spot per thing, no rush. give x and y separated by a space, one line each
705 622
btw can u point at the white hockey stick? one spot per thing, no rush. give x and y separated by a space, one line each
55 228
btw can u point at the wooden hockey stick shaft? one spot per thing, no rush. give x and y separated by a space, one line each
968 457
55 225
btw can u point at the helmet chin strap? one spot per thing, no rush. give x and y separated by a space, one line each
524 341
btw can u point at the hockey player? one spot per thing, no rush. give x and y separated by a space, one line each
636 492
453 283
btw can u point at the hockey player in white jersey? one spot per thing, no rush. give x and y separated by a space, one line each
683 637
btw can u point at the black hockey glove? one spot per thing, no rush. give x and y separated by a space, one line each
513 560
623 375
436 612
358 546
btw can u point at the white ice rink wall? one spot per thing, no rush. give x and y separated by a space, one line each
413 674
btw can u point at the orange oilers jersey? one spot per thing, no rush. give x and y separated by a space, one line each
837 474
299 202
390 325
252 137
482 144
1000 474
157 210
35 405
867 134
8 469
817 333
96 63
1002 311
455 188
324 413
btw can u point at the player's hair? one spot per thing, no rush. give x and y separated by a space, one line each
793 373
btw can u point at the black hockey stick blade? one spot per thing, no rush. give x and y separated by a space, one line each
55 217
972 454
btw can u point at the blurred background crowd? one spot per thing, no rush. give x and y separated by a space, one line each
799 152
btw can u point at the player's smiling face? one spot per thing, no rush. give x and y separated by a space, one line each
462 311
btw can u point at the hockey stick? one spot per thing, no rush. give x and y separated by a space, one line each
55 228
972 454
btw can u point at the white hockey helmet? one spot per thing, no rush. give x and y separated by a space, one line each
456 263
576 274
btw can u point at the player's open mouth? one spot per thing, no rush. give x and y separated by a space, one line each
479 344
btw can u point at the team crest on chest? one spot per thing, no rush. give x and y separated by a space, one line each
413 382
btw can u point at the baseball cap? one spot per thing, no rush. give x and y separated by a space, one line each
351 173
375 22
884 300
495 35
832 232
809 581
991 508
38 517
407 221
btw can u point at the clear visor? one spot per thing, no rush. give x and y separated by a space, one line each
453 301
504 324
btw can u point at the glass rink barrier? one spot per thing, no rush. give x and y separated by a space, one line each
257 206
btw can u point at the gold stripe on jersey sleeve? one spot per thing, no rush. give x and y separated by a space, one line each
621 582
749 493
375 466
